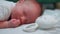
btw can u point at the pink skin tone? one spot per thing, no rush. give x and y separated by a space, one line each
9 24
24 12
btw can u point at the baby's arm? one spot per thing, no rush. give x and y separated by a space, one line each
9 24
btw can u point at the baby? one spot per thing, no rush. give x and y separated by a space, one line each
49 19
24 12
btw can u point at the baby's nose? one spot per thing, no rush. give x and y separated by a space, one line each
23 19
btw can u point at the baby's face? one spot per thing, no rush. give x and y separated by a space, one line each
24 16
26 12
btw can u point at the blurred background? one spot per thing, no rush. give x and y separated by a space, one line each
46 4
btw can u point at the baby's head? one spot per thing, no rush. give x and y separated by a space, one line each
26 12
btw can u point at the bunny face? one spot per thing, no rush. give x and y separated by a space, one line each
46 21
49 19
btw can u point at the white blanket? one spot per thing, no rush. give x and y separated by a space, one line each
19 30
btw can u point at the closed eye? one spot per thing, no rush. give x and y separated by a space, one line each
24 12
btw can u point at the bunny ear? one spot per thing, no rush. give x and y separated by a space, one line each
30 27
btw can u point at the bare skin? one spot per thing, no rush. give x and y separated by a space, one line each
9 24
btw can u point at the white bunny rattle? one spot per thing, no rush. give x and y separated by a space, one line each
46 21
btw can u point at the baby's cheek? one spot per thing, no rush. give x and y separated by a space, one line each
17 16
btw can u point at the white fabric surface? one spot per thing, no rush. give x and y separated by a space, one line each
5 9
19 30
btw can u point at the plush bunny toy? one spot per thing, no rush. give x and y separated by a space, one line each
48 20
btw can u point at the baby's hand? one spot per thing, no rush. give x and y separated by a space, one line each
14 23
